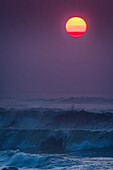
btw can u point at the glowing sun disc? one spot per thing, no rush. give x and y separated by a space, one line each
76 26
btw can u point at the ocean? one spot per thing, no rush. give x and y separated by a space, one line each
56 132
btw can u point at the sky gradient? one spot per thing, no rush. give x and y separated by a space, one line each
36 53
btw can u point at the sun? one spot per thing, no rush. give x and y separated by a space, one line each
76 26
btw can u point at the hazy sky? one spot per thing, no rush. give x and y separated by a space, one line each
36 53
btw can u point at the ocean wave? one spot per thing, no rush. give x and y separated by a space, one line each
39 118
20 159
54 141
15 160
79 99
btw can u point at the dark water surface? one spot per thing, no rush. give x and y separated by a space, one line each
57 132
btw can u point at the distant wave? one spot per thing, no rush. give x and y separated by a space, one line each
54 119
54 141
72 99
76 100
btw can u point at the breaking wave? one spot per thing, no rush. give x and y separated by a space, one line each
54 119
54 141
50 133
54 130
20 159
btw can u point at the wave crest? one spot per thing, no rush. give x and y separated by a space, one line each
54 119
54 141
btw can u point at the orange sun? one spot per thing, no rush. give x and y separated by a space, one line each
76 26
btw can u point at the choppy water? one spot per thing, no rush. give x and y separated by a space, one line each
54 161
57 132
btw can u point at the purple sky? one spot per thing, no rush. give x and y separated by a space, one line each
36 54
